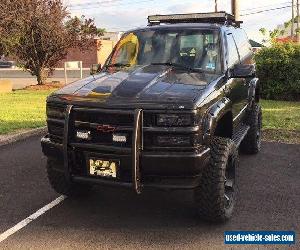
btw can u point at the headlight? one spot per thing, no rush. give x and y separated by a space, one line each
169 120
174 140
55 112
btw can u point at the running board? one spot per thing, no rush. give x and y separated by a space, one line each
240 134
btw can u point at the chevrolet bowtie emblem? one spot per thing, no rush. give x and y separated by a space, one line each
106 128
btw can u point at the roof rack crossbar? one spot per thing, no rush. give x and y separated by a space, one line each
211 17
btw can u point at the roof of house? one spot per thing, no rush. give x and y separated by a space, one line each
255 44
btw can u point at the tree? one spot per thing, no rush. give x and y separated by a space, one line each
44 34
278 69
263 31
12 13
271 35
101 31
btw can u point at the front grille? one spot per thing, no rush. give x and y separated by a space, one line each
104 118
91 120
55 121
55 129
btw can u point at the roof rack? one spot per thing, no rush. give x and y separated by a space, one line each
211 17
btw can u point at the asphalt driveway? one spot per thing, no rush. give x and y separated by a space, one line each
269 199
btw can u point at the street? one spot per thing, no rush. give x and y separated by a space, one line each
21 79
58 73
269 199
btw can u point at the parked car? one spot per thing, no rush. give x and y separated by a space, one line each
6 64
169 110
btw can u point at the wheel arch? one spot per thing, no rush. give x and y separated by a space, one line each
219 120
254 91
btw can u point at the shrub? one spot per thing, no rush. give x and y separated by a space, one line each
278 68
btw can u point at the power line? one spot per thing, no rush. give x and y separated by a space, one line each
261 11
94 5
259 7
105 2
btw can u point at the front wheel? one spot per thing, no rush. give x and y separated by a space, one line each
63 186
215 197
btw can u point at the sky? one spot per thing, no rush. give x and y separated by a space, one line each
122 15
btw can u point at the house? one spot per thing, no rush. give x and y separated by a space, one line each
255 45
98 53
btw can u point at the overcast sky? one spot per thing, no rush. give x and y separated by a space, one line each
121 15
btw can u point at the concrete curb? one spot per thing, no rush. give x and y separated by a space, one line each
21 135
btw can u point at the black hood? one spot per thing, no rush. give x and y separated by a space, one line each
140 85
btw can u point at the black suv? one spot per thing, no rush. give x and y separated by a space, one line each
169 109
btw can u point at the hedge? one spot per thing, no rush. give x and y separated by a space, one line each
278 68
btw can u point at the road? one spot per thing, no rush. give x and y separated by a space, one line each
269 199
21 79
59 73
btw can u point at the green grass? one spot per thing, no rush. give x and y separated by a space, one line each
281 115
281 121
25 109
22 109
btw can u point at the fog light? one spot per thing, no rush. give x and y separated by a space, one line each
119 138
83 135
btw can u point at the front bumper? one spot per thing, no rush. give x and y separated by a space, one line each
167 170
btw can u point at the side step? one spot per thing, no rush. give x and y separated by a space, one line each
240 134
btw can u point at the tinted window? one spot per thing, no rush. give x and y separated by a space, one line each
233 57
199 49
242 43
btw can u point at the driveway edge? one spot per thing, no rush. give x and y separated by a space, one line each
21 135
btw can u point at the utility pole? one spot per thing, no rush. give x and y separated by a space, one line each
298 29
216 5
292 27
235 8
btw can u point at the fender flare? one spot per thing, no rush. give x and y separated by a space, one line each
254 86
213 116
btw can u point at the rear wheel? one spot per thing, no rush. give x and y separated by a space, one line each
61 185
252 142
216 194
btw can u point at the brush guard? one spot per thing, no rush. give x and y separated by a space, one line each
136 150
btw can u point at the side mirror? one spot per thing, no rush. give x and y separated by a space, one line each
95 68
243 71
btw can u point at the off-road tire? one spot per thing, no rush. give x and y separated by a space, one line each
61 185
210 195
252 141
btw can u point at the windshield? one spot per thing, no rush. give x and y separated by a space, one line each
188 49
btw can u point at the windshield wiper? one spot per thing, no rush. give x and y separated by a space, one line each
117 65
177 65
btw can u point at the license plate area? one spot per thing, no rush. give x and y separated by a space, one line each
103 167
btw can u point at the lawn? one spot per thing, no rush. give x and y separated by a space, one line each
22 109
25 109
281 121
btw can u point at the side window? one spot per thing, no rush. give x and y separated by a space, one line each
233 56
126 50
243 44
